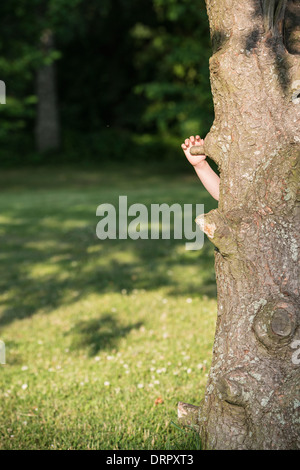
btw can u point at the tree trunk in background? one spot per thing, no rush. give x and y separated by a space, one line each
47 122
252 397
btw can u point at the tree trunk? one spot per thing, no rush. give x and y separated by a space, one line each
252 397
47 130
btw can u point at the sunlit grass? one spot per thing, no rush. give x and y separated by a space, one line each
95 331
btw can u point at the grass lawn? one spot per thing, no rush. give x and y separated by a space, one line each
103 338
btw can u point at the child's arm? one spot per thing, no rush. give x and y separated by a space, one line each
209 178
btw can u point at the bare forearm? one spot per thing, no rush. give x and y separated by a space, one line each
209 178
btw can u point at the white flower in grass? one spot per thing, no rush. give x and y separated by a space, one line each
24 368
189 300
107 384
24 386
189 371
157 382
97 358
140 385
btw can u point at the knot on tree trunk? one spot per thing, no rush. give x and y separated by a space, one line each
188 415
221 229
275 324
197 150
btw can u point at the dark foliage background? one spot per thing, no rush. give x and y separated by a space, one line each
132 78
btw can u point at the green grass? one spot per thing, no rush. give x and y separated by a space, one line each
96 331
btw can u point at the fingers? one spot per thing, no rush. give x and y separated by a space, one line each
199 140
192 141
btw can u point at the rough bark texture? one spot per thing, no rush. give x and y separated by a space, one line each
47 122
252 397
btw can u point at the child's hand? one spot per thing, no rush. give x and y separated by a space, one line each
195 160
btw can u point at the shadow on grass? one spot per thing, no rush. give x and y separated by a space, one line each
101 334
51 257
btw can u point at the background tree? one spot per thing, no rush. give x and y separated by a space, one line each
252 395
47 118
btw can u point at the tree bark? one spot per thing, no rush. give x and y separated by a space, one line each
252 396
47 130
